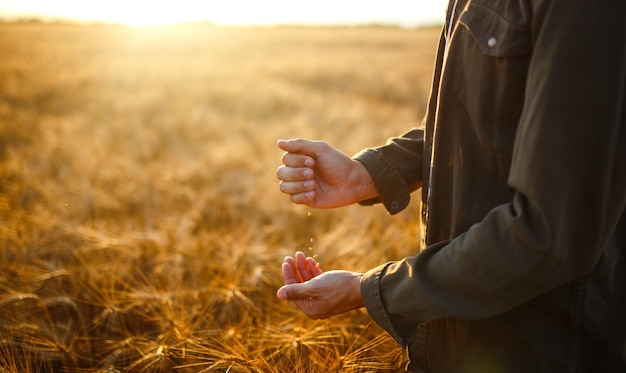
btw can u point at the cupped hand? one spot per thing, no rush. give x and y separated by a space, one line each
318 175
319 294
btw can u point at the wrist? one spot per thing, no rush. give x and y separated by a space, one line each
364 187
358 301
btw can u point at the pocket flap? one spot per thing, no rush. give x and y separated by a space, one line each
496 36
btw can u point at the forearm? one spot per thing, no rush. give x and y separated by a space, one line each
364 186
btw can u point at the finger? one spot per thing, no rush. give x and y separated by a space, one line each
290 260
306 198
301 146
314 267
287 173
297 160
290 274
292 292
294 267
296 187
303 267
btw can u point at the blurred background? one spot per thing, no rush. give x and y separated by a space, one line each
141 224
407 13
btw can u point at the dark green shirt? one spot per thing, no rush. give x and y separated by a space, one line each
522 166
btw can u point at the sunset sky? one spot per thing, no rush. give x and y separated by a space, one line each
231 12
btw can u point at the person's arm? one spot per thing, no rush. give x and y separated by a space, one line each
395 167
568 174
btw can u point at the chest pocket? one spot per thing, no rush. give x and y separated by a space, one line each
496 36
488 63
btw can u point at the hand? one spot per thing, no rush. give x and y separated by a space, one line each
319 294
318 175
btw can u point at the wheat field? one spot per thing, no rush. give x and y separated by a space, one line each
141 225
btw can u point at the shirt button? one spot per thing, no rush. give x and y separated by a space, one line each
395 205
492 42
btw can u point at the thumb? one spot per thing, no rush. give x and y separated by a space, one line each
292 292
300 146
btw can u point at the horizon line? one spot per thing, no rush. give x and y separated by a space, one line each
59 20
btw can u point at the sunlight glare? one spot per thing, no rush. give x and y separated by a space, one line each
235 12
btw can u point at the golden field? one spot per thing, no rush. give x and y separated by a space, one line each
141 225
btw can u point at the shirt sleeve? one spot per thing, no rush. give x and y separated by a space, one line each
396 169
568 175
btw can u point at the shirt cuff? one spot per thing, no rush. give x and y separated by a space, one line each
370 290
393 190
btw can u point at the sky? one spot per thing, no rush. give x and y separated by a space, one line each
408 13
